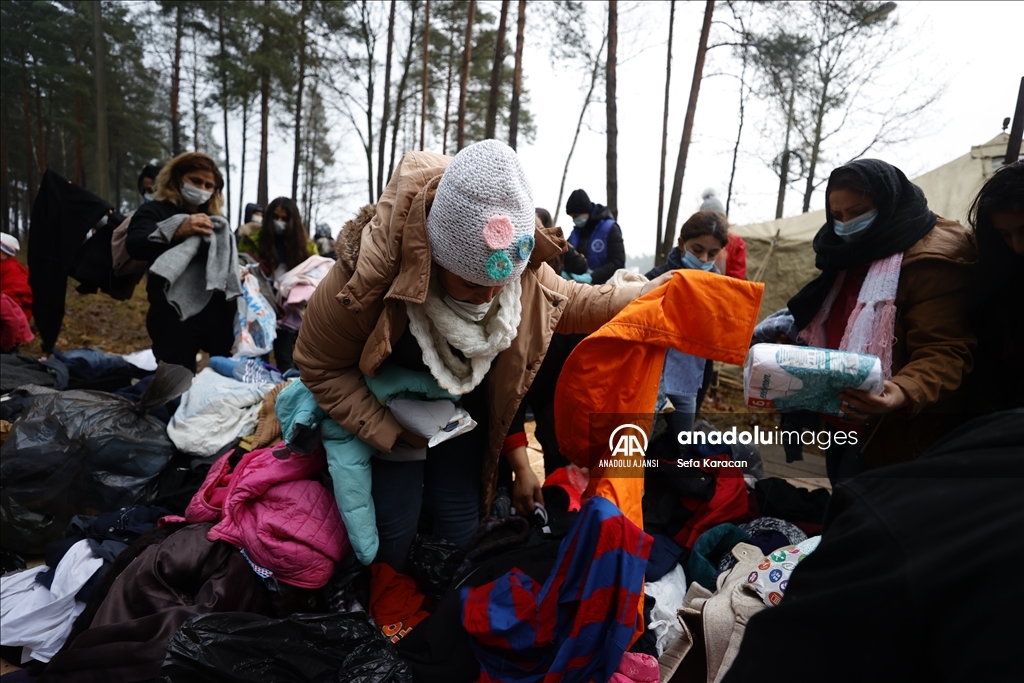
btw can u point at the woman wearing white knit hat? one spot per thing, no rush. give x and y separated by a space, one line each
447 273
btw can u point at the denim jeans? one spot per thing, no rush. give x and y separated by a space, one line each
445 486
681 420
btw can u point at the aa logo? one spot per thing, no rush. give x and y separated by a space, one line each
628 441
597 246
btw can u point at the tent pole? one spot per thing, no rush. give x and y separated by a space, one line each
1013 145
767 257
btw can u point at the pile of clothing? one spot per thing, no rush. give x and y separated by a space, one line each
220 524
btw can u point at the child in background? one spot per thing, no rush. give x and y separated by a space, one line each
17 295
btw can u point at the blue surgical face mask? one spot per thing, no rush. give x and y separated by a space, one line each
691 261
847 231
148 197
580 221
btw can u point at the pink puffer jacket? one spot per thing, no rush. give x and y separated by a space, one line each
271 506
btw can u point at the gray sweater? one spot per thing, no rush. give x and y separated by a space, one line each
197 267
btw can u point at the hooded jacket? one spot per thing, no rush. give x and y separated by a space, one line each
358 312
271 505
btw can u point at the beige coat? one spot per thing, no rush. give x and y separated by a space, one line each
358 312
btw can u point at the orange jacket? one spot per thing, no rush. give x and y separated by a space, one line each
612 376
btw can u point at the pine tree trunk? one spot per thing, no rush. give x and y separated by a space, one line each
739 131
29 150
447 108
467 56
179 32
79 173
426 71
5 180
517 77
400 100
298 102
611 112
370 71
386 116
224 109
102 148
195 95
659 254
579 122
812 165
262 191
499 59
684 144
241 180
784 165
41 151
117 179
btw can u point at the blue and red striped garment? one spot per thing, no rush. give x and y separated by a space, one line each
577 625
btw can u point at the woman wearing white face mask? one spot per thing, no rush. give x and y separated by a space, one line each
280 244
893 284
701 239
189 184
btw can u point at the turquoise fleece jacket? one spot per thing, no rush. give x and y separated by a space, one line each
304 425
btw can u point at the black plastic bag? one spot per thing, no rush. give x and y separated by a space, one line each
82 453
10 562
237 647
433 562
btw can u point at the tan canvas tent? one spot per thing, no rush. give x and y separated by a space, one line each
779 252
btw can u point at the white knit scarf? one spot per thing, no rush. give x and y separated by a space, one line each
870 326
436 326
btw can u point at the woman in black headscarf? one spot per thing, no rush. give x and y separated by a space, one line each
893 283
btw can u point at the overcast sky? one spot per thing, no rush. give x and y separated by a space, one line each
964 45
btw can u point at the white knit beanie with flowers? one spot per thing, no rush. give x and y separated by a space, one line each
481 223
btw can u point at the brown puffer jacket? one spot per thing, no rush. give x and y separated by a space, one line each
932 351
384 260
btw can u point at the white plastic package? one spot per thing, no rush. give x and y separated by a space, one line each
436 421
788 377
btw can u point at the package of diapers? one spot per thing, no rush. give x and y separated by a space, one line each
788 377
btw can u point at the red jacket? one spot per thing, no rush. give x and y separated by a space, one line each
14 283
736 257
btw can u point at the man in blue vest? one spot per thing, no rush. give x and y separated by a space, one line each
597 237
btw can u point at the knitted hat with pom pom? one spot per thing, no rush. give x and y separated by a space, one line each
481 223
711 201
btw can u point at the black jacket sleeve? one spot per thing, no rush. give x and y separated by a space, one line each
616 257
143 224
657 271
574 262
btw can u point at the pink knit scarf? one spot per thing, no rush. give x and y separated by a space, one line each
870 327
